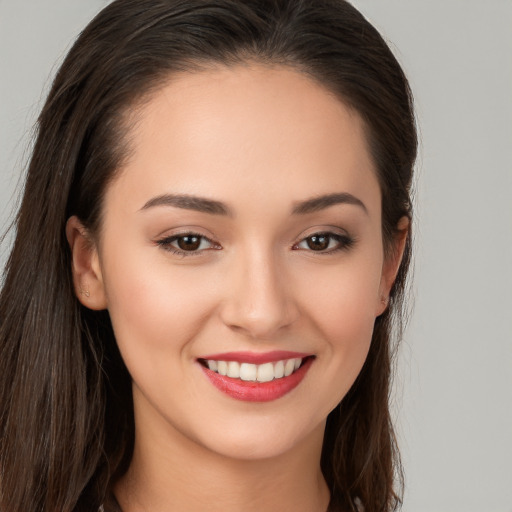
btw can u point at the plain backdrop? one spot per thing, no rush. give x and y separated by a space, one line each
453 393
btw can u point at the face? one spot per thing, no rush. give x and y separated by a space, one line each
243 237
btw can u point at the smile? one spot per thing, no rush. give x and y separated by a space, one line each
253 382
255 372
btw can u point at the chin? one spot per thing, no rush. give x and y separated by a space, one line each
263 439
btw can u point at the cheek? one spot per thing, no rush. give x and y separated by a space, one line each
341 305
346 320
154 307
342 299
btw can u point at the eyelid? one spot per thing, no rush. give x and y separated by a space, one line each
165 242
345 241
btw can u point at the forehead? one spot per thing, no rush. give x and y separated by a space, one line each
226 131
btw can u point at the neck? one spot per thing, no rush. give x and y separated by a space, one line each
173 473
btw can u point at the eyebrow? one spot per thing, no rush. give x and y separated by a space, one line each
318 203
211 206
188 202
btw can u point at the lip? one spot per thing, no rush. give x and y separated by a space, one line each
250 391
255 357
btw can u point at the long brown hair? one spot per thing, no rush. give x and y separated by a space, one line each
66 418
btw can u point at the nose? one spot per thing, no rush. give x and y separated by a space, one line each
259 300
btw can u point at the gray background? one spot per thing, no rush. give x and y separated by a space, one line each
453 392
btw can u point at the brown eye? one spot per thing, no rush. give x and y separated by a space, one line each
189 242
326 243
318 242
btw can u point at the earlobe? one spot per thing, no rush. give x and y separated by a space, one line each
392 264
85 267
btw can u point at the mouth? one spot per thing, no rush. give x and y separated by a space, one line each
249 381
250 372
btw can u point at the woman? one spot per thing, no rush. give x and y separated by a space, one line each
211 248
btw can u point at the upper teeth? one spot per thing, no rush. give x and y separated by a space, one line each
255 372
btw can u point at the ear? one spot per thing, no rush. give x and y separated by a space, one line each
392 264
87 276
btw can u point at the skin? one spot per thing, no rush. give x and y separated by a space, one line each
260 140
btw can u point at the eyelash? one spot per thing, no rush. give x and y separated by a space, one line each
166 244
344 243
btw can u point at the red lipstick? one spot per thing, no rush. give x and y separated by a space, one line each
253 391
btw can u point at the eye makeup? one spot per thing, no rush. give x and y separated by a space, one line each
194 244
325 242
187 244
